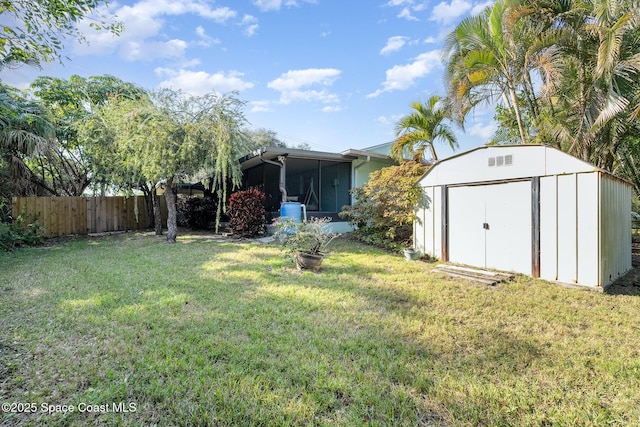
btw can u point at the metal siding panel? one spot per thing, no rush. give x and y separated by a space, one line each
437 221
548 228
419 225
567 235
588 213
615 226
466 217
423 237
508 237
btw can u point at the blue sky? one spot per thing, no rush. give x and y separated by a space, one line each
335 74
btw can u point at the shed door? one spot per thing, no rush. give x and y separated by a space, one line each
490 226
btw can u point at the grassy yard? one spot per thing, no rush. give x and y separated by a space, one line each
206 332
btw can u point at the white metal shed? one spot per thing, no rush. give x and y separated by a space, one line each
529 209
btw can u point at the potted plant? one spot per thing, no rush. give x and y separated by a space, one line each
411 254
306 241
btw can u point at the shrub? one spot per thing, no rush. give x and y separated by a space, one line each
311 236
21 232
247 215
384 207
197 213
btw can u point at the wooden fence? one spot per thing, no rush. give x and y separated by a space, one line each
62 216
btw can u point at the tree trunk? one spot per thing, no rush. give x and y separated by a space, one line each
433 152
172 217
516 110
157 216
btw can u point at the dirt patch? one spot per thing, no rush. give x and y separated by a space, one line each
629 284
635 254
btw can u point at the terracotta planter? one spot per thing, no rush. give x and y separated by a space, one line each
309 261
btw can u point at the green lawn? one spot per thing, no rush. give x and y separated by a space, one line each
206 332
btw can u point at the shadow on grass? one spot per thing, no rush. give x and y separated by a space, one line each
206 332
629 284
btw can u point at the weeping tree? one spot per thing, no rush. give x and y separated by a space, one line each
169 137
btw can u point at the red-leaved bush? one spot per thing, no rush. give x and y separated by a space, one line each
246 211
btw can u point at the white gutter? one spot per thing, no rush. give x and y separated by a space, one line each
282 167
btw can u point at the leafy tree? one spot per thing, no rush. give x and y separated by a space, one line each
384 207
71 166
33 31
112 165
268 138
265 138
419 130
170 137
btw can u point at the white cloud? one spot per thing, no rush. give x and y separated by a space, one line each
201 82
399 2
269 5
296 79
332 109
406 14
250 23
407 8
323 96
294 85
480 7
260 106
205 39
394 44
484 131
402 77
383 120
133 51
447 12
152 8
430 40
143 21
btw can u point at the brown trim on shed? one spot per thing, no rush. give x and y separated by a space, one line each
535 226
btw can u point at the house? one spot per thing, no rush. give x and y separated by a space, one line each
530 209
320 180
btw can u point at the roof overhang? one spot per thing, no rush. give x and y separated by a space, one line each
272 153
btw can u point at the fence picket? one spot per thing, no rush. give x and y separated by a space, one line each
62 216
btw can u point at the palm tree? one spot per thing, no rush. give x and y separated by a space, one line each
587 57
24 132
485 63
419 130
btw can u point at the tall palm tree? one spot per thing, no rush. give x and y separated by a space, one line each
485 63
419 130
24 132
23 128
587 55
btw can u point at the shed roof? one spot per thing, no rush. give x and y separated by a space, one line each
505 162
